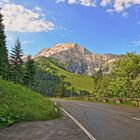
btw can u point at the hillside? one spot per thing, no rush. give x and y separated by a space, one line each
78 59
18 103
81 82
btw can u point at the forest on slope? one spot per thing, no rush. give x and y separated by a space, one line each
17 101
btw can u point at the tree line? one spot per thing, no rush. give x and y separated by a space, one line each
29 73
12 67
122 82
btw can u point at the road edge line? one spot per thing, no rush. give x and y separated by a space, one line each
80 125
138 119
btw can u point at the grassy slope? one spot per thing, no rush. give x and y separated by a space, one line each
18 103
82 82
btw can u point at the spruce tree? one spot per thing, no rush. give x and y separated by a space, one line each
3 50
29 71
17 62
98 75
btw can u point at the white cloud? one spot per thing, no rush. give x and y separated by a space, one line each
110 10
38 9
27 41
105 2
3 2
136 43
117 5
72 1
86 3
120 5
125 14
20 19
12 37
58 1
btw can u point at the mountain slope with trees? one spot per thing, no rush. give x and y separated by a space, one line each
17 102
77 81
124 80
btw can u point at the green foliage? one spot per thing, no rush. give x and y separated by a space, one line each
79 82
136 87
119 87
45 83
3 51
125 71
18 103
56 62
29 72
101 86
124 81
49 83
16 62
128 66
98 75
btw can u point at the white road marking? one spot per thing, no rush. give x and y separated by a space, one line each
136 119
80 125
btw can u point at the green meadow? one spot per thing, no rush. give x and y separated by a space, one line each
81 82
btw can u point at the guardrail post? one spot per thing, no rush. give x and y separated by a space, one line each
137 102
55 105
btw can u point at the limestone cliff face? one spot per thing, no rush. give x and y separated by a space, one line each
78 59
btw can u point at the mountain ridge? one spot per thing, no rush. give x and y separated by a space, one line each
78 59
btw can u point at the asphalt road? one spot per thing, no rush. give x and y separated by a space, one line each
60 129
105 121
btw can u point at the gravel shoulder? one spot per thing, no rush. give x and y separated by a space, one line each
60 129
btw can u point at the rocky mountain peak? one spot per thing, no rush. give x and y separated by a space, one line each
71 47
42 52
64 46
78 59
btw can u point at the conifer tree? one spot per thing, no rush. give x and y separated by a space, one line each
98 75
29 71
3 50
17 62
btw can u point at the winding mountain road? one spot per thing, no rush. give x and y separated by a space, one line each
104 121
81 121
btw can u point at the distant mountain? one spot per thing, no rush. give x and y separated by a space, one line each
24 57
78 59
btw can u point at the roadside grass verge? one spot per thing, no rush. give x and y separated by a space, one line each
17 103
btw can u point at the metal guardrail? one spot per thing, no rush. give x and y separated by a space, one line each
134 101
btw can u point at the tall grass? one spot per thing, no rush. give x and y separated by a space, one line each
17 103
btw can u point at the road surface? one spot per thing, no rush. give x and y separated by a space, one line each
102 121
105 121
60 129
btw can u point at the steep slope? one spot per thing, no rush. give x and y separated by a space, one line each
18 103
79 60
79 82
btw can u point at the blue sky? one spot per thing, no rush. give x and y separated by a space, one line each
102 26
